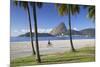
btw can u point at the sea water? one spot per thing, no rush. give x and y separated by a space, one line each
22 39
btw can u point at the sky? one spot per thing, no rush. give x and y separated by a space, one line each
47 19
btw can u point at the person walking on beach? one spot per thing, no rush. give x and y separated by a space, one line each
49 43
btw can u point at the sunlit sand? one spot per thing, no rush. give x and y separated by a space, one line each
22 49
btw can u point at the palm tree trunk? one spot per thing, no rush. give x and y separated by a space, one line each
31 37
36 33
70 34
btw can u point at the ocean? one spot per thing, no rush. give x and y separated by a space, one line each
23 39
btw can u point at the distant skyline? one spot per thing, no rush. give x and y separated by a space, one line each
48 18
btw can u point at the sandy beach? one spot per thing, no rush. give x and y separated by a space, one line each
22 49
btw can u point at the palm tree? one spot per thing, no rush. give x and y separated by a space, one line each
25 5
91 12
33 5
68 10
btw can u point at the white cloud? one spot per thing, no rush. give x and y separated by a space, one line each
42 30
75 28
15 31
22 31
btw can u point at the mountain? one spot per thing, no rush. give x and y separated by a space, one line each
88 32
74 32
62 30
39 34
59 30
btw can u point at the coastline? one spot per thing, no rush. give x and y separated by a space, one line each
22 49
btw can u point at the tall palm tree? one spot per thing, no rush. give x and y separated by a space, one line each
91 12
68 10
33 5
25 5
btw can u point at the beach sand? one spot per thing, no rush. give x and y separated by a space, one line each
22 49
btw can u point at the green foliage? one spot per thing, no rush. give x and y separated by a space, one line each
91 12
86 54
22 4
63 9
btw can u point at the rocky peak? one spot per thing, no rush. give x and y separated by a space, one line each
59 30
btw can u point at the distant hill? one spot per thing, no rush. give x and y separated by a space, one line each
62 30
74 32
39 34
88 32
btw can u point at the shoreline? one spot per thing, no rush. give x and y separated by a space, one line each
50 40
22 49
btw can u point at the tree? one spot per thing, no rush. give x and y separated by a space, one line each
91 12
25 5
33 5
68 10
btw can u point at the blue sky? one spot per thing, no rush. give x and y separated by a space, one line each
48 18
